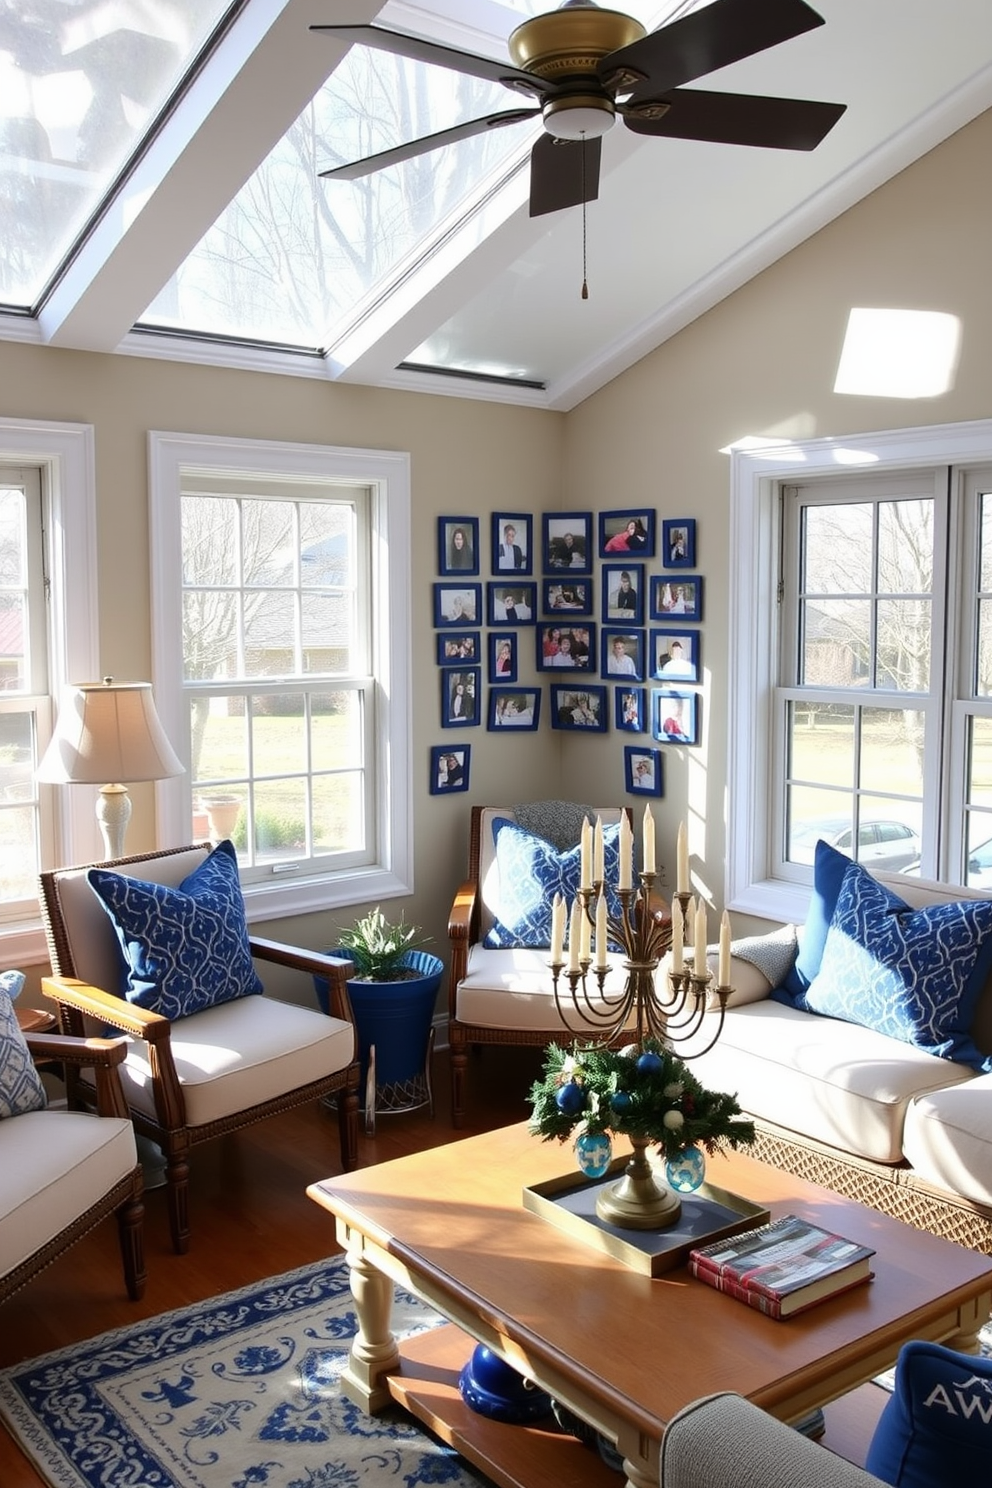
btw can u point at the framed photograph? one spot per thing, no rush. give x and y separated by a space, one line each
567 542
678 543
670 597
579 708
675 716
627 532
512 604
503 656
449 768
675 654
567 597
514 707
623 592
458 604
458 545
460 697
513 547
458 649
628 709
642 770
622 654
561 646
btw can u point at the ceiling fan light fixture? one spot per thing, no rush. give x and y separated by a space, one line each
578 117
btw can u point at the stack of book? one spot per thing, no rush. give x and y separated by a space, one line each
783 1267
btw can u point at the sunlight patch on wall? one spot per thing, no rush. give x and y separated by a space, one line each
899 354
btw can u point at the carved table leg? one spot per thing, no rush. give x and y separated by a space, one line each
374 1351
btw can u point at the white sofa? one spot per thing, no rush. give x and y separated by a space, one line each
862 1112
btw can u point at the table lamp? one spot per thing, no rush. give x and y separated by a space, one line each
109 731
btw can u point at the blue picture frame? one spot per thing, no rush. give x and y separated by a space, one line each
458 545
519 558
673 654
458 648
461 697
627 534
642 771
457 605
622 655
629 704
579 708
450 765
576 641
511 604
567 542
623 593
678 543
674 716
567 596
675 599
503 659
514 708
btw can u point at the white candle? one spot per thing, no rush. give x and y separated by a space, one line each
585 936
557 929
699 952
574 936
678 936
648 843
626 852
682 861
585 858
601 931
723 972
598 858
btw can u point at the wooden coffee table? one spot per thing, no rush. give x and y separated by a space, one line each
624 1351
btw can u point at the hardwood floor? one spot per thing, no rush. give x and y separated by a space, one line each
250 1219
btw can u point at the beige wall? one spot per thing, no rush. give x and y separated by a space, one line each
761 363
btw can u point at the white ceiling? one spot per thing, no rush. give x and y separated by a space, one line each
677 226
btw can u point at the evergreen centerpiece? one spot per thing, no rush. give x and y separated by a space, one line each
644 1092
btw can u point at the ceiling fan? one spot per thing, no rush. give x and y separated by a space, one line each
585 66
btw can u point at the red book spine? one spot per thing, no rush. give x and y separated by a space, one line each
723 1281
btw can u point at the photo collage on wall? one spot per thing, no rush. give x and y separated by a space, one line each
532 606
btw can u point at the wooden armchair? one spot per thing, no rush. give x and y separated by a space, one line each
216 1070
500 996
62 1172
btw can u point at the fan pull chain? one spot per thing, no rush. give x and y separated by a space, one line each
585 286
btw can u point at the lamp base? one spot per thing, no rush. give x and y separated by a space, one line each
113 812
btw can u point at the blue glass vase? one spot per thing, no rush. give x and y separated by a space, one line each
593 1152
686 1172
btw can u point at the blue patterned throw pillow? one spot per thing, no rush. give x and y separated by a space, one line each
915 975
531 872
829 867
20 1084
936 1427
184 949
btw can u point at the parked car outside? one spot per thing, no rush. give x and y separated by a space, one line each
980 866
891 846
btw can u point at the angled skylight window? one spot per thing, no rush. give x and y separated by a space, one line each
293 258
81 82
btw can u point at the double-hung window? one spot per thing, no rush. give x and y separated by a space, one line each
861 662
281 618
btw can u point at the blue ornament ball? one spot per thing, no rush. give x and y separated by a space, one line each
593 1151
686 1172
570 1098
620 1102
650 1063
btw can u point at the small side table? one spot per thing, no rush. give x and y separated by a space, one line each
35 1020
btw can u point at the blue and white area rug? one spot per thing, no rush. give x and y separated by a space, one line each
239 1391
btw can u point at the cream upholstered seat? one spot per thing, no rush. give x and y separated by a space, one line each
193 1078
504 995
62 1172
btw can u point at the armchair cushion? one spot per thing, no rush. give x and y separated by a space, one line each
531 871
21 1089
912 974
935 1428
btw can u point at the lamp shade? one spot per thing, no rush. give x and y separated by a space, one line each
108 731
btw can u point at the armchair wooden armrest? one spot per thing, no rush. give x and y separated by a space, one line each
463 924
101 1055
336 969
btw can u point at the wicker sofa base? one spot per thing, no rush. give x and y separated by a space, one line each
894 1190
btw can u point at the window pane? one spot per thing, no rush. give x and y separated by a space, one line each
821 742
219 734
327 542
339 813
210 540
328 633
278 734
280 820
337 740
892 751
836 643
904 644
270 636
269 543
837 547
211 635
905 547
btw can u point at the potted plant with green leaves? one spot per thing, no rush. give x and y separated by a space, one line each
393 993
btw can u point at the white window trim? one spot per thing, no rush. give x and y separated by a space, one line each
65 455
388 473
755 478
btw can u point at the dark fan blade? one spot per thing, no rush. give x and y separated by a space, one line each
739 119
438 56
721 33
385 158
563 173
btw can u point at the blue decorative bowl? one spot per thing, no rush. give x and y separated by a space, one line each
494 1389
